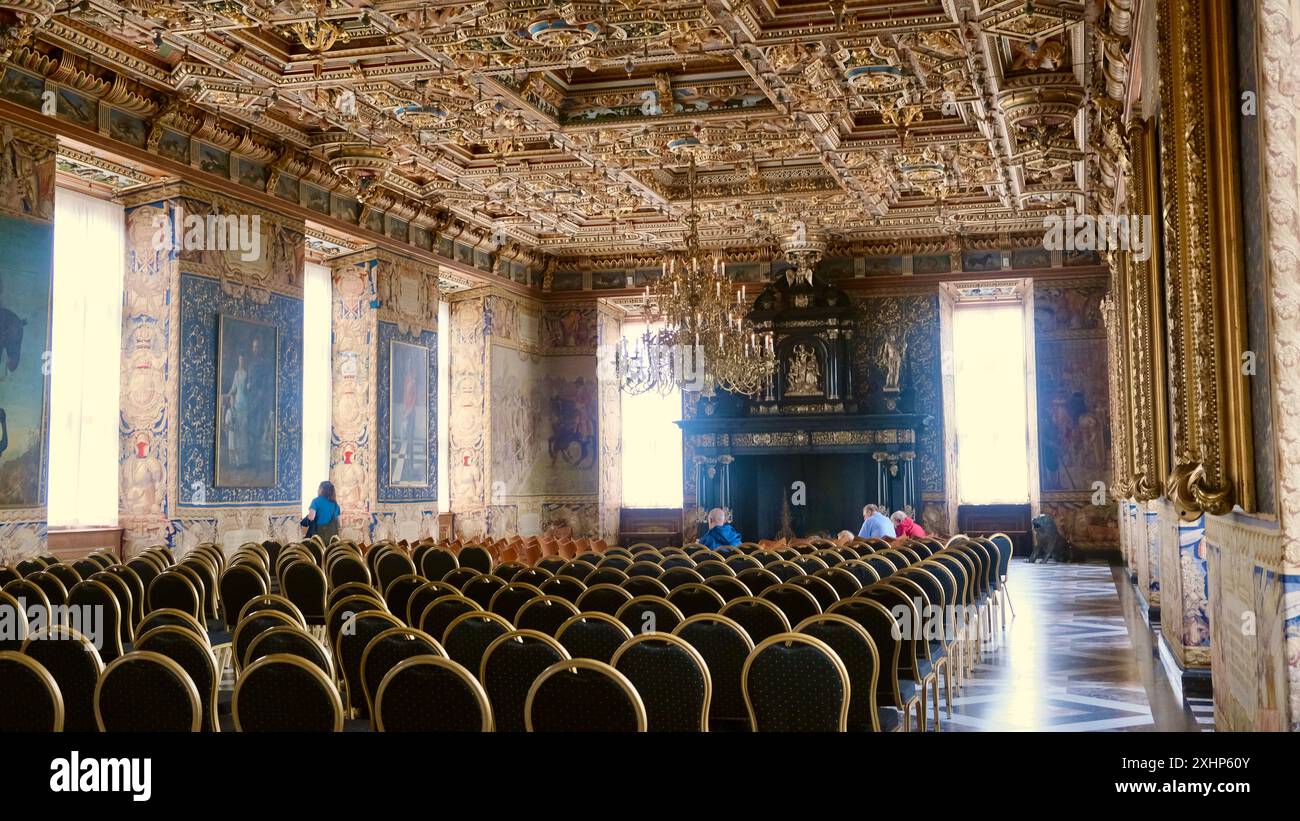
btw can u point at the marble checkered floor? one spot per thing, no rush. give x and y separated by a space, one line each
1076 657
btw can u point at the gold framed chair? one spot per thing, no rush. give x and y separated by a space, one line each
583 695
33 702
644 614
145 692
388 649
430 694
796 683
672 679
284 693
469 635
197 659
511 663
760 618
74 663
592 635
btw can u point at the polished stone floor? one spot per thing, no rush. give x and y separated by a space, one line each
1077 656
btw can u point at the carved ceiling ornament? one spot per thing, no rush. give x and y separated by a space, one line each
465 108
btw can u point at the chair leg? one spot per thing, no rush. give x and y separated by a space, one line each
1007 592
937 728
920 714
947 683
907 718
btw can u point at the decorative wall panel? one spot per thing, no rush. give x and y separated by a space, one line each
26 276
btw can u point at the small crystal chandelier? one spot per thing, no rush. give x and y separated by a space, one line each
704 339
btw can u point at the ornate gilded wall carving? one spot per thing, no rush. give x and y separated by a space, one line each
1210 419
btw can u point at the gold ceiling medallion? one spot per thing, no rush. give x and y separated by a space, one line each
319 36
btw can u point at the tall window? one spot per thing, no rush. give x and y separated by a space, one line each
990 403
444 401
317 365
652 443
85 360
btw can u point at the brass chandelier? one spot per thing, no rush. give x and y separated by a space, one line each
698 336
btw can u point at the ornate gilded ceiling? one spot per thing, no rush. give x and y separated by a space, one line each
568 127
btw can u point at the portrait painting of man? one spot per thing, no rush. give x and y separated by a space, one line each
246 403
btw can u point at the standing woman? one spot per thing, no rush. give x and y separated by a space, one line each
323 515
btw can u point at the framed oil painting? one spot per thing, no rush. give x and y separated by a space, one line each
247 353
408 415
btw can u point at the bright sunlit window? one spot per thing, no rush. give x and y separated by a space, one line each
85 360
990 402
652 443
444 401
317 402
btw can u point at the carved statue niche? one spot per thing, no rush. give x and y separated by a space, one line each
812 323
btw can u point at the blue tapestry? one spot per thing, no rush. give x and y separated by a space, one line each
24 344
407 410
203 304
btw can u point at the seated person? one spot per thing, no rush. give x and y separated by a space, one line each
905 527
876 525
721 534
844 537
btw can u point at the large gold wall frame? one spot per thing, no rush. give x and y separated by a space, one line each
1205 288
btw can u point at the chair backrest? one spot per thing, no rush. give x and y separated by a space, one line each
796 683
175 618
603 598
578 569
399 592
544 614
507 600
422 597
511 663
430 694
272 601
821 589
75 664
177 591
882 627
347 567
1005 549
290 639
437 563
854 646
677 576
724 645
695 598
461 576
137 586
476 557
250 627
386 651
760 618
239 585
728 587
14 617
88 599
758 579
566 587
795 602
592 635
350 644
195 656
147 692
645 586
468 636
583 695
672 679
605 575
32 702
482 588
645 614
305 585
391 565
284 693
51 585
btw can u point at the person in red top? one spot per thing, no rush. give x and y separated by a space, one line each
905 527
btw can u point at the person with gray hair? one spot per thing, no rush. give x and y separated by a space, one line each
906 527
876 525
721 534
